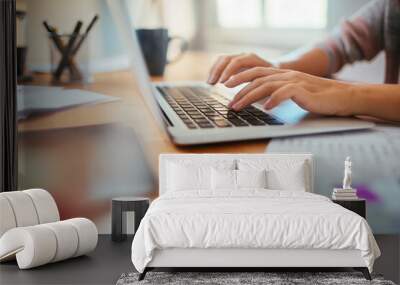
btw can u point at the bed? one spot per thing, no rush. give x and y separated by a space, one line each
246 211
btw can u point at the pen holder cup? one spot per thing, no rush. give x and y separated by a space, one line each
74 69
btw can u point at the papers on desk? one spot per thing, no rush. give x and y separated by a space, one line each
376 168
35 100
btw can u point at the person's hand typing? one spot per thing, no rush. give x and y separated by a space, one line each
312 93
228 65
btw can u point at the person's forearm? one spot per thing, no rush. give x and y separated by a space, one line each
314 61
376 100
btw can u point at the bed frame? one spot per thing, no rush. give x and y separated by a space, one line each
241 259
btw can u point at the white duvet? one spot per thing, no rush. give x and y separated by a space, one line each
250 219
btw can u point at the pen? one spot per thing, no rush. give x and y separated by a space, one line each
67 51
60 47
89 27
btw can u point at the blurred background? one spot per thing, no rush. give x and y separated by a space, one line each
270 27
89 138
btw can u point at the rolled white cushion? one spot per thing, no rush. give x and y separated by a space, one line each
87 234
26 208
45 205
33 246
23 208
67 240
41 244
7 218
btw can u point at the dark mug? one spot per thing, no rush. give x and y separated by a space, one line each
154 44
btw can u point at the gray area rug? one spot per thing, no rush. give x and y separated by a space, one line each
243 278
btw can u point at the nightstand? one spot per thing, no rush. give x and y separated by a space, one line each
120 205
356 206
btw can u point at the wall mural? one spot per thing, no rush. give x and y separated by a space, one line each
375 169
84 168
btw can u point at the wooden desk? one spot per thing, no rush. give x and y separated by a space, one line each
131 109
93 152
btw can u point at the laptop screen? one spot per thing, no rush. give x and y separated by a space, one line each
128 36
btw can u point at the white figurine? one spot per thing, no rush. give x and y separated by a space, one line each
347 173
346 192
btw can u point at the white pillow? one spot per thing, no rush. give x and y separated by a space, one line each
282 174
193 174
222 179
251 178
183 178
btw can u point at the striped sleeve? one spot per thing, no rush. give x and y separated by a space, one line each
358 38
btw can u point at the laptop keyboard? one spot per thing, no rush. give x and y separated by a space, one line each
199 108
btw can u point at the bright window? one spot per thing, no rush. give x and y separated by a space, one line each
275 14
300 14
239 13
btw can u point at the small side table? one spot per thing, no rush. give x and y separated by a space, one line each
356 206
139 205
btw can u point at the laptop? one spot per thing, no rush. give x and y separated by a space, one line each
196 113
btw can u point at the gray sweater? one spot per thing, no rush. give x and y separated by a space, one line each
374 28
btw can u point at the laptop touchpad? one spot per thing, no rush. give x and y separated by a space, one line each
290 112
